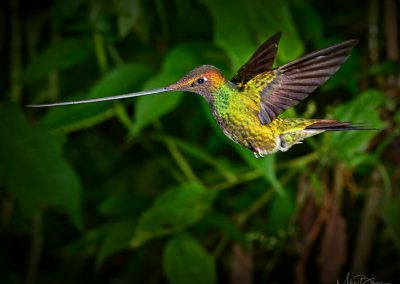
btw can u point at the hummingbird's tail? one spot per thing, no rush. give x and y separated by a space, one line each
333 125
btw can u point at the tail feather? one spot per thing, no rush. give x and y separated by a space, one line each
333 125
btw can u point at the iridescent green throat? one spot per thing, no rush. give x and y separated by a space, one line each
223 97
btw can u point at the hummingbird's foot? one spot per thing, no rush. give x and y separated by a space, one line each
258 154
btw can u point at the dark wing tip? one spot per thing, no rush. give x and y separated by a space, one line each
333 125
297 79
261 61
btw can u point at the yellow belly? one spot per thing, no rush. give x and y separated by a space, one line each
240 123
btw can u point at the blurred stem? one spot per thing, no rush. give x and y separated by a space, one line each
369 222
15 52
114 54
53 86
385 178
86 123
257 205
254 174
252 209
101 56
161 11
123 116
7 209
177 155
200 155
299 162
373 30
248 176
36 248
391 30
100 52
181 161
338 185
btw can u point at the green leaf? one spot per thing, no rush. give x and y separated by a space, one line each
172 211
221 223
116 239
244 25
281 211
124 204
58 56
266 165
177 63
121 80
186 261
33 169
307 19
363 109
128 13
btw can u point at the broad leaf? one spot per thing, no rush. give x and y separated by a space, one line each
128 13
186 261
60 55
33 169
242 26
280 212
363 109
123 79
117 236
172 211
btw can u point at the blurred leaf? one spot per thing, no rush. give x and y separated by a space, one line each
128 12
215 221
242 26
280 212
307 20
384 68
32 167
186 261
123 204
58 56
116 239
177 63
266 165
172 211
121 80
363 109
63 10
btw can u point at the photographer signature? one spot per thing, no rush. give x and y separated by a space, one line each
360 279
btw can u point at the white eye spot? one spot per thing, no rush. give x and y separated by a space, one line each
201 80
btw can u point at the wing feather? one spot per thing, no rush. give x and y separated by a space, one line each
294 81
260 62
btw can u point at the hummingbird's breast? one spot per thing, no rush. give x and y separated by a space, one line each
237 115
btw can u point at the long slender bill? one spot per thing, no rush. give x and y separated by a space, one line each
131 95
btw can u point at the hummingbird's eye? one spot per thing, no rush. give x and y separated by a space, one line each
201 80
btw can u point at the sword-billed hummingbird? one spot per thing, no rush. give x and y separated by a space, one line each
247 107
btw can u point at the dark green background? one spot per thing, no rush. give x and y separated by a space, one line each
149 190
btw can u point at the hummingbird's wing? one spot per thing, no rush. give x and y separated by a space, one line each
287 85
260 62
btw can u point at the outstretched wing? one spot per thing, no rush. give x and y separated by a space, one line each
293 82
260 62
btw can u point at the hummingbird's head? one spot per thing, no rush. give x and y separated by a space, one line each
203 80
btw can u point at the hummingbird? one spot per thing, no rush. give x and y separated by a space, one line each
248 106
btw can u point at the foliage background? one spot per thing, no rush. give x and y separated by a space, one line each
149 190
